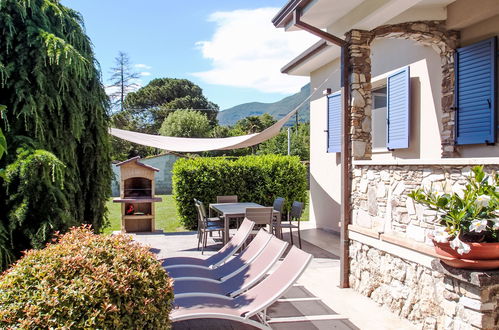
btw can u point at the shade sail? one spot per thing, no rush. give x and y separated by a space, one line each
179 144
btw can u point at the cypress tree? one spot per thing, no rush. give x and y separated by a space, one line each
50 85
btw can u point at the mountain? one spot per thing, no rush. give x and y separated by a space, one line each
277 109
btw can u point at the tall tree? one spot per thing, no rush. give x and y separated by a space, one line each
147 108
55 101
155 101
123 79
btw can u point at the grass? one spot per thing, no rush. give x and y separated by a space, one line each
166 215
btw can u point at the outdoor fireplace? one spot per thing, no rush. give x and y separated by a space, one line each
138 188
137 196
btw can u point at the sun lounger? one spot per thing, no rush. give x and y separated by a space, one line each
217 259
238 283
230 268
253 302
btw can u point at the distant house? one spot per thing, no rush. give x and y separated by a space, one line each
420 100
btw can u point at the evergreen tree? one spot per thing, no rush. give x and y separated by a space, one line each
122 79
55 101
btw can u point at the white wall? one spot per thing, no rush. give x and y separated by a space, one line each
325 171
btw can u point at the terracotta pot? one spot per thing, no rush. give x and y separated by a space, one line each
481 256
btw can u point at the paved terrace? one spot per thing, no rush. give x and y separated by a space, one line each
315 302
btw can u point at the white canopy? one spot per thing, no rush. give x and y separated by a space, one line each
179 144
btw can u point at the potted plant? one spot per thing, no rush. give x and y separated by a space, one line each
467 234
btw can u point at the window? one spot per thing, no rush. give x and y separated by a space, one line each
476 92
379 119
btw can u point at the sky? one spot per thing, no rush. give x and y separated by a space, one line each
228 47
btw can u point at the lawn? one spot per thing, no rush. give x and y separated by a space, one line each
166 215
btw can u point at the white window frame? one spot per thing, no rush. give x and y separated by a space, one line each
377 85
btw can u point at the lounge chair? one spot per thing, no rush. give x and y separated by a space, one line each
217 259
230 268
238 283
253 302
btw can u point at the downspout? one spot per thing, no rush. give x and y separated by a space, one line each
345 143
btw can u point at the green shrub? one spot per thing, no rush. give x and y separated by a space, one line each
258 179
86 281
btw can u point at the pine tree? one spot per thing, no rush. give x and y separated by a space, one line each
55 124
122 79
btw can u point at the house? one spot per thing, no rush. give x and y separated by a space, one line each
410 99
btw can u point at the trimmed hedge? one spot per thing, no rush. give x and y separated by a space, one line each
258 179
86 281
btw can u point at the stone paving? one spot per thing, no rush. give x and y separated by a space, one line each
315 302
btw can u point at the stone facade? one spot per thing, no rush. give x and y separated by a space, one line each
439 297
360 92
380 202
428 33
434 298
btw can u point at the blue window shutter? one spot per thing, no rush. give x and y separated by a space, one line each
334 122
475 92
398 104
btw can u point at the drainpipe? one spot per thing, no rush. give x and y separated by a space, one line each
345 143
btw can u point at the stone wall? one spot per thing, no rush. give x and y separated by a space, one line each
437 297
380 202
434 298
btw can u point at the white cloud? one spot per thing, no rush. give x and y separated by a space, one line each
143 66
246 50
144 74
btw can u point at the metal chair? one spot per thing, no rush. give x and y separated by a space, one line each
206 225
227 199
261 216
294 215
230 199
278 206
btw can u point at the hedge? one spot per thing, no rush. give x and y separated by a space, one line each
258 179
86 281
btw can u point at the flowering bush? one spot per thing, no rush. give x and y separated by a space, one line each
86 281
470 216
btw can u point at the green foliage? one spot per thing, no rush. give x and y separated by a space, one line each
51 87
300 143
3 141
86 281
258 179
461 212
36 199
186 123
254 124
155 101
147 108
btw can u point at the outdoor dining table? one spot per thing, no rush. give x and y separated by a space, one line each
238 210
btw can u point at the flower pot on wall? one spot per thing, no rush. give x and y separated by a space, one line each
482 256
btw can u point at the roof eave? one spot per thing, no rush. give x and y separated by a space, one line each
285 15
303 57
